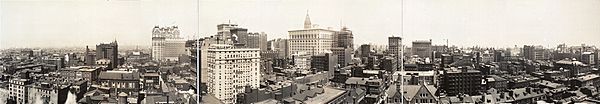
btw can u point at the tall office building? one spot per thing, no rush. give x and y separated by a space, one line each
255 40
167 45
394 45
90 57
343 46
262 41
422 48
108 51
344 38
279 46
231 70
310 40
227 33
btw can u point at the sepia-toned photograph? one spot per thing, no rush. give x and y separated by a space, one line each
299 51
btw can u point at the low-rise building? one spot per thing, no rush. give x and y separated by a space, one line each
121 81
587 80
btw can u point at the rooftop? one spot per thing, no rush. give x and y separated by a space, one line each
588 77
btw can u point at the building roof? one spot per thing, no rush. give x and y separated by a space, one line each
356 80
588 77
410 91
497 78
326 94
549 84
118 75
568 62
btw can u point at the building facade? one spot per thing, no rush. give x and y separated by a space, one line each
422 48
343 46
394 45
310 40
120 81
167 45
231 70
461 80
18 90
108 51
279 46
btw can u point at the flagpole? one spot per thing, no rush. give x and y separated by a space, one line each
198 70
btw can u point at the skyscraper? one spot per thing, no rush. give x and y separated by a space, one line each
108 51
255 40
231 70
394 45
167 45
344 38
343 46
310 40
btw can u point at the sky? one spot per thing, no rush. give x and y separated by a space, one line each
76 23
485 23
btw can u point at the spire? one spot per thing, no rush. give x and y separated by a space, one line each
307 24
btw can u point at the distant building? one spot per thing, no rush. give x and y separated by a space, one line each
279 46
588 58
226 76
90 57
108 51
536 53
422 49
365 50
394 45
255 40
167 45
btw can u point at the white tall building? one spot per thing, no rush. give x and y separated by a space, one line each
18 90
167 45
310 40
231 70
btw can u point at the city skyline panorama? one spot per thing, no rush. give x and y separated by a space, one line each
485 23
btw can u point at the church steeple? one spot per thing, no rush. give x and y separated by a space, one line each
307 24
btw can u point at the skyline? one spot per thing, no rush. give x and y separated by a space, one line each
487 23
